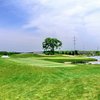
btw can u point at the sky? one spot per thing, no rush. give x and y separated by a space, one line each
24 24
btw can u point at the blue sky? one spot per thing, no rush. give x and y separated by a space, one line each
24 24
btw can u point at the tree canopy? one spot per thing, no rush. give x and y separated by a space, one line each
50 44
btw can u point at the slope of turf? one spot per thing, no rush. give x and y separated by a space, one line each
27 79
25 55
40 62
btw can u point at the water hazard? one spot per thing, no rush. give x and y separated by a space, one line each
96 62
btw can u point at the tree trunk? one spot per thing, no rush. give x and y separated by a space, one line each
52 51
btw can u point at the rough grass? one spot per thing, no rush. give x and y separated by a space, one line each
22 79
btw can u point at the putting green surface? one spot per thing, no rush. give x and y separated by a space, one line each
33 78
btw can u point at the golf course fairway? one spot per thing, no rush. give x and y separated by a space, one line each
27 77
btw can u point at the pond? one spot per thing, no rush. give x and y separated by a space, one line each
95 62
96 57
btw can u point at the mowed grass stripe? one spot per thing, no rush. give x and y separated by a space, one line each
41 63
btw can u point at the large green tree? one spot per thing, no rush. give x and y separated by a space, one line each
50 44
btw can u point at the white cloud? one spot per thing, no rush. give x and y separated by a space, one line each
66 18
60 11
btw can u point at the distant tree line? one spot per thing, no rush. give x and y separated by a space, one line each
78 52
67 52
8 53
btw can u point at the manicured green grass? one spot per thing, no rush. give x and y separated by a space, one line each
32 78
40 62
72 59
25 55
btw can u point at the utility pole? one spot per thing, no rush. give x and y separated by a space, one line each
74 43
97 48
